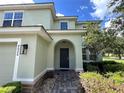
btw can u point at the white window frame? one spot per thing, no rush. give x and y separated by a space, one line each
66 22
12 16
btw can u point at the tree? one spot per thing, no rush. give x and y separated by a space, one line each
118 46
117 26
101 41
94 37
119 5
109 39
118 9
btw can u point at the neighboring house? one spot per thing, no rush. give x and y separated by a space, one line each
34 40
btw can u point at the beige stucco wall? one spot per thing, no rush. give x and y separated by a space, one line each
28 59
33 17
41 56
40 17
26 62
79 26
35 61
37 17
7 61
76 41
52 21
71 54
1 17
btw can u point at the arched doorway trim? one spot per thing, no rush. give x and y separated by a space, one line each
64 54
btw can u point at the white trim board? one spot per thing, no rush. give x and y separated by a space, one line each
26 80
35 79
79 70
18 41
39 76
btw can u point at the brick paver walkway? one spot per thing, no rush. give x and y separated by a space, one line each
63 82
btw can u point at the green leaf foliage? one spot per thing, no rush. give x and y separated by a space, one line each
119 7
17 85
93 82
7 89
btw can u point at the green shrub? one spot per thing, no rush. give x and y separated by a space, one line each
117 77
95 83
7 89
114 67
108 74
90 67
108 62
89 75
17 85
103 67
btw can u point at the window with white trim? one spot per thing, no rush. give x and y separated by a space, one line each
12 19
64 25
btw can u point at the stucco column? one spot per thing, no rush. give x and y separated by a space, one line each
50 58
78 54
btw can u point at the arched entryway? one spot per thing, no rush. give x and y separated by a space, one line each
64 57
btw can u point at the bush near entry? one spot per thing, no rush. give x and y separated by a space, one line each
93 82
17 85
106 76
104 67
7 89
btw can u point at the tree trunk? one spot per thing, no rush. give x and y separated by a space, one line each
119 53
108 54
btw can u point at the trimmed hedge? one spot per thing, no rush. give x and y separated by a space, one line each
104 67
17 85
103 77
93 82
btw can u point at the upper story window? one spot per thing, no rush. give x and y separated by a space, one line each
64 25
12 19
84 27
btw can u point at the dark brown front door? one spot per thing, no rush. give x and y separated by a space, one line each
64 57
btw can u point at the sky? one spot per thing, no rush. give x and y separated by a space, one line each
84 9
80 8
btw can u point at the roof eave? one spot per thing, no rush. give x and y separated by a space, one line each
26 30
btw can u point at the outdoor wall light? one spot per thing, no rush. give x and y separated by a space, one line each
24 49
64 42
